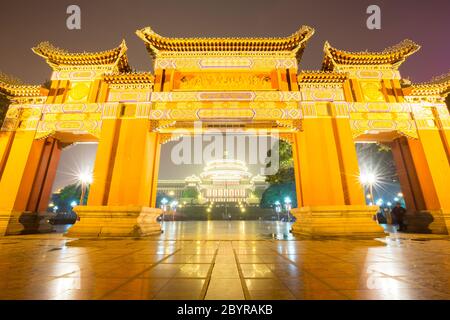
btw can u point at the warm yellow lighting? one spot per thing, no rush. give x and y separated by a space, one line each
85 178
368 178
171 193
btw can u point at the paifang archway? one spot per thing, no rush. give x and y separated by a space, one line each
245 82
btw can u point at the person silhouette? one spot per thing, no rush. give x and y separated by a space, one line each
398 214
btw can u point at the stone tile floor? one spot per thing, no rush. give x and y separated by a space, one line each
225 260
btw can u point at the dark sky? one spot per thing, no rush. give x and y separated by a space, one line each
105 23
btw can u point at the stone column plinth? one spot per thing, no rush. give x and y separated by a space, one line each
335 221
435 222
115 221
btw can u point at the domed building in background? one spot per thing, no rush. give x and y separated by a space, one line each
222 181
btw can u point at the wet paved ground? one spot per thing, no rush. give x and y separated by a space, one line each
225 260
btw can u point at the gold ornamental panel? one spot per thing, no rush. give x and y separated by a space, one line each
372 91
222 81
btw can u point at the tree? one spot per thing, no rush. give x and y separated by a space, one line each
67 195
285 173
278 192
282 183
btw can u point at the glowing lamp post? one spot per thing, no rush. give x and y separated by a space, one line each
369 180
85 180
164 202
173 207
288 206
278 209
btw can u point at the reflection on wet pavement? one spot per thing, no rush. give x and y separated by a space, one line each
225 260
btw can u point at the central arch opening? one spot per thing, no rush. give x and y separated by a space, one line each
220 176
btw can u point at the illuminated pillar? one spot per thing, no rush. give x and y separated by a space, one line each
407 174
332 201
45 176
320 174
442 116
433 172
348 160
120 201
133 172
156 157
104 163
27 178
6 139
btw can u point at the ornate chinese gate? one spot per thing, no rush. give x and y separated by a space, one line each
249 83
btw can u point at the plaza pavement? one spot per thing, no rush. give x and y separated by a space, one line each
225 260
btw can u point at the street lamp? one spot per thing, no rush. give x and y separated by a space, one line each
288 206
368 179
278 209
173 207
164 201
85 179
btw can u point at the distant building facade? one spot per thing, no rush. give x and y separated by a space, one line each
223 180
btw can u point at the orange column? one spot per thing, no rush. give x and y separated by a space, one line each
134 165
407 174
155 172
432 167
104 163
318 164
348 160
327 167
296 159
6 139
443 123
45 176
19 172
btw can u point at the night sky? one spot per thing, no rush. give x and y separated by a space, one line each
106 22
23 24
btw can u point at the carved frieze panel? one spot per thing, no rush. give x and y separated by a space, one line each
405 127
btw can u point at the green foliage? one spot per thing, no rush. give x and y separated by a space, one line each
69 193
278 192
285 173
282 184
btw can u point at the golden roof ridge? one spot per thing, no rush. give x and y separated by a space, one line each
315 76
56 56
130 77
13 87
394 55
156 43
439 85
